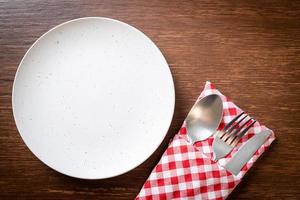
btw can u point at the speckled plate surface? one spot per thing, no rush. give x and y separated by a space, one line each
93 98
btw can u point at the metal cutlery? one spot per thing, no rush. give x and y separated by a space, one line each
226 139
245 153
203 121
204 118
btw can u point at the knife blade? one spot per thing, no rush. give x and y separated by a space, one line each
245 153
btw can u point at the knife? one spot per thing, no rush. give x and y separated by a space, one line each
245 153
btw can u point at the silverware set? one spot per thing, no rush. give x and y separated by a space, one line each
226 139
203 121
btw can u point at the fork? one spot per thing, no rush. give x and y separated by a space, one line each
226 139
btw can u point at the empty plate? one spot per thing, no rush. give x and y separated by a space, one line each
93 98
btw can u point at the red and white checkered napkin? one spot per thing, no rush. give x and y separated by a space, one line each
188 172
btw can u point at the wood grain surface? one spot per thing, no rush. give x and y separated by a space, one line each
250 50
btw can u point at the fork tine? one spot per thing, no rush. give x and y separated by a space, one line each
233 135
229 132
240 135
223 131
246 129
233 120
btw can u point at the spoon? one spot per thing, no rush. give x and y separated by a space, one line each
204 118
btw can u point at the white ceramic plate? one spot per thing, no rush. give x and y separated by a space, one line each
93 98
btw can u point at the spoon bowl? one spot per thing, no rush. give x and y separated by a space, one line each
204 118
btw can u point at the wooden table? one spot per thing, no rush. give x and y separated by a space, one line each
251 51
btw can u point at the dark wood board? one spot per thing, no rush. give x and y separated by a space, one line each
249 49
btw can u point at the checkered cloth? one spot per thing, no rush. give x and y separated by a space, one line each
187 171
